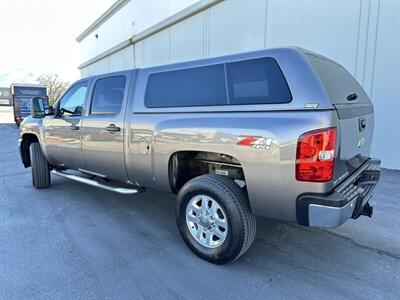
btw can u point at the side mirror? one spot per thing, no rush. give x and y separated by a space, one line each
39 108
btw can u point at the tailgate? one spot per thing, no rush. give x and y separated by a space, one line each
356 126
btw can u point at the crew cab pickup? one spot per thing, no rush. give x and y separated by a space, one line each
282 133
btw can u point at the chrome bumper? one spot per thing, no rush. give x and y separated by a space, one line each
346 201
327 216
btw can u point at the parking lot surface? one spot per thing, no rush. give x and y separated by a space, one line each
76 241
6 115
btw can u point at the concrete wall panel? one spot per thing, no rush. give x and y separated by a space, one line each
187 39
133 18
236 26
153 51
327 27
385 85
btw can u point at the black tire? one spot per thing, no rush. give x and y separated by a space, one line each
233 200
40 167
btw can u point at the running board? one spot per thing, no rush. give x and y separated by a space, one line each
92 182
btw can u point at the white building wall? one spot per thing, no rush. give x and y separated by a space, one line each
187 39
384 86
121 60
363 36
133 18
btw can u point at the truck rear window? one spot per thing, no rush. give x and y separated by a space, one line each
255 81
338 83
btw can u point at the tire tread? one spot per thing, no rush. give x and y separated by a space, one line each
39 166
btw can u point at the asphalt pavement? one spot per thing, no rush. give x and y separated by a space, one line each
74 241
6 115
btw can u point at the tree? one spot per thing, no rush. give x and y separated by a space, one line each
55 85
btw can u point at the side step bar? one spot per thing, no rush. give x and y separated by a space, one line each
116 189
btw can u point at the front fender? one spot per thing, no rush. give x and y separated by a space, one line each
34 127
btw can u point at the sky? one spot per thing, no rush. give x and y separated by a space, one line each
39 36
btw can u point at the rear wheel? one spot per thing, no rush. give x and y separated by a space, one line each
215 219
39 166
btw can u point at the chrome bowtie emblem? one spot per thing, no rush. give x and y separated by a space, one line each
361 142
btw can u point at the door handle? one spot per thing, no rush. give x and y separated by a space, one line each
74 127
112 128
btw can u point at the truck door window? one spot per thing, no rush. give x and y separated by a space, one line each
72 102
108 95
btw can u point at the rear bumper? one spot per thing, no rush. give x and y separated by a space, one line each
347 200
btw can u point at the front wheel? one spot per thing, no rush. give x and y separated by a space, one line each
40 167
214 218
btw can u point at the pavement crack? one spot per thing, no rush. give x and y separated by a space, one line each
359 245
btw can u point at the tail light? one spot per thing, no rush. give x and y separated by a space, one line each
315 159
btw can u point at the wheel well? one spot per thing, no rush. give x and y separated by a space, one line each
185 165
27 140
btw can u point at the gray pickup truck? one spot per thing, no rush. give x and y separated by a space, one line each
281 133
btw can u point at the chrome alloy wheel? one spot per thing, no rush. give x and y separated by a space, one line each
206 221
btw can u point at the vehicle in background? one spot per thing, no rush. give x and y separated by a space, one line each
22 95
5 96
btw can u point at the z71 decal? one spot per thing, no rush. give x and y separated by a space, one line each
255 142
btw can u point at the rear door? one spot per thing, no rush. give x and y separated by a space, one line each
354 109
103 126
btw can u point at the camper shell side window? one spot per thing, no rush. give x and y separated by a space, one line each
244 82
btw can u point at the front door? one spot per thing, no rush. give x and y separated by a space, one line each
103 127
62 133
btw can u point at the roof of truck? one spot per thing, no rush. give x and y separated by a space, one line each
307 89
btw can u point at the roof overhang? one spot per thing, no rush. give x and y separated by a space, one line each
103 18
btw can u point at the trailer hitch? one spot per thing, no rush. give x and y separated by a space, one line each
367 210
